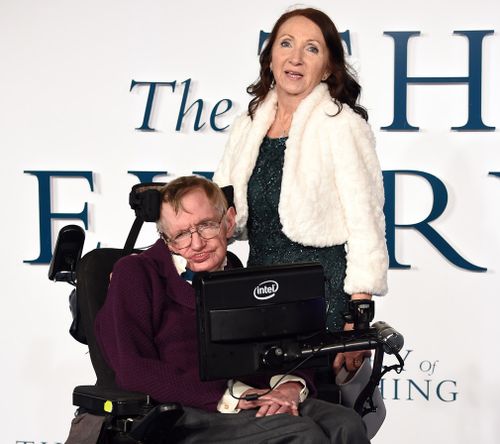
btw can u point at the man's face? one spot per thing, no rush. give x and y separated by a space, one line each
201 254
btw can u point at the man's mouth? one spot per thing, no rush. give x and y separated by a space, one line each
199 257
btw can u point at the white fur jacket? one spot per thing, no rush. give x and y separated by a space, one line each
331 190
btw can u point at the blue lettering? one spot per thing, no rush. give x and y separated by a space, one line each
207 174
422 389
149 104
346 38
214 114
147 176
439 205
45 213
453 394
406 357
183 111
402 79
396 383
263 36
412 383
381 387
384 389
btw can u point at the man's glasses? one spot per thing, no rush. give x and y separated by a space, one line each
206 230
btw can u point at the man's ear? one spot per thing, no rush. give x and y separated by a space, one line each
230 222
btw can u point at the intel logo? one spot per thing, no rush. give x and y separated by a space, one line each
265 290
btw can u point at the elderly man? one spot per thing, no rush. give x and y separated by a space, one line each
147 332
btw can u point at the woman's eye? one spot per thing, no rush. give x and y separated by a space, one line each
313 49
285 44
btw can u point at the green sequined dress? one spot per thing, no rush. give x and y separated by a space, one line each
269 245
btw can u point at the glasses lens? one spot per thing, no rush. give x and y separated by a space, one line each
209 230
182 240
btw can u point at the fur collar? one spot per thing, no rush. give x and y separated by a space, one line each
252 132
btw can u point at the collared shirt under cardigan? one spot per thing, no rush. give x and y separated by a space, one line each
331 192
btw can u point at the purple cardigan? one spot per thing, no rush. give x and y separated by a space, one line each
146 330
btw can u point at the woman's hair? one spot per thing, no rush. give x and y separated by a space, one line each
341 82
174 191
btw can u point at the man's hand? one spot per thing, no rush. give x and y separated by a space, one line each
283 399
351 360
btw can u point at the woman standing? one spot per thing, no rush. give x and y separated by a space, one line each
302 161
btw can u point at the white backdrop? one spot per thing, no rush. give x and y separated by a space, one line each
66 105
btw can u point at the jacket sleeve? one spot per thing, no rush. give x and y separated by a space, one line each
222 175
125 330
359 182
226 173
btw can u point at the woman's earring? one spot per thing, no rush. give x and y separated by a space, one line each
325 76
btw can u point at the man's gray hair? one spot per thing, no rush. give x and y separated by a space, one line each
174 191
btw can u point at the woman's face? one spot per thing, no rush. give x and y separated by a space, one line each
299 58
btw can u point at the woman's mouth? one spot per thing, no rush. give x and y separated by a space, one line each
294 75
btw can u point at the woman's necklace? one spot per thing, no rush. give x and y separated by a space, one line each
284 124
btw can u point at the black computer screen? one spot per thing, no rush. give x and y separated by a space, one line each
243 312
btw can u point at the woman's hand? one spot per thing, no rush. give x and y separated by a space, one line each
352 360
283 399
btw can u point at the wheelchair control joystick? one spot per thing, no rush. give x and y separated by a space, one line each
361 313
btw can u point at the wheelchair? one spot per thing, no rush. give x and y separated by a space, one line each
124 417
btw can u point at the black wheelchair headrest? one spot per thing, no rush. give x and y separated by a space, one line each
145 199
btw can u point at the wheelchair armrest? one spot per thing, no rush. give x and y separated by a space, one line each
157 423
110 400
143 421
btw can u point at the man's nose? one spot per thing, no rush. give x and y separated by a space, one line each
197 242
